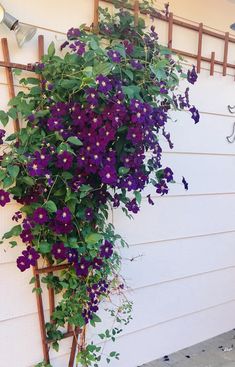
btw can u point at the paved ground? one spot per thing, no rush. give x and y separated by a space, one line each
216 352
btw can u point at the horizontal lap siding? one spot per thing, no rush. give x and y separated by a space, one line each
182 250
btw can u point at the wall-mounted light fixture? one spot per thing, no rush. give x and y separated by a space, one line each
23 33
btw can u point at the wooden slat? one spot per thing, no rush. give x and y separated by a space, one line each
136 12
170 30
9 77
225 54
41 317
96 16
52 268
199 51
212 66
73 349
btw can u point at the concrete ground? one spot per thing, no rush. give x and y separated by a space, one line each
216 352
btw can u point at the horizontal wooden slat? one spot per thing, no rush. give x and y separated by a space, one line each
177 217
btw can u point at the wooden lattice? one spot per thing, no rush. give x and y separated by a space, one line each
8 65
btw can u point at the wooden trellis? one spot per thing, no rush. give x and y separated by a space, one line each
9 65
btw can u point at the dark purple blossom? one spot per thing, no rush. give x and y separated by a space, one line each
129 48
195 114
26 236
136 64
54 124
185 183
150 201
168 174
108 175
106 250
59 251
17 216
72 255
192 75
42 157
97 263
73 33
32 255
23 263
115 56
104 85
2 135
62 228
162 188
4 197
40 216
35 168
89 214
64 160
82 267
132 206
78 47
64 44
64 215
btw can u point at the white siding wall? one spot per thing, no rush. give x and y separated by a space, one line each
183 284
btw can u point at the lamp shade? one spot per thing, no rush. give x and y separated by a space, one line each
23 32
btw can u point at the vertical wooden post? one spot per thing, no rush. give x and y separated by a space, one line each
212 65
199 52
9 76
170 30
41 316
136 13
73 349
225 53
96 16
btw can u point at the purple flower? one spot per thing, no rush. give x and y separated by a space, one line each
132 206
135 134
62 228
4 197
78 47
40 216
115 56
89 214
2 134
128 47
185 183
23 263
35 168
27 224
192 75
28 257
64 215
168 174
162 188
73 33
72 255
106 250
17 216
108 175
97 263
82 267
116 201
26 236
54 124
195 114
136 64
150 201
31 254
92 96
104 85
64 44
64 160
59 251
42 157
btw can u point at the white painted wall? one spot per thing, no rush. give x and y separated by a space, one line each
183 285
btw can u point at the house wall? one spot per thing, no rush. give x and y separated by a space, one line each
182 281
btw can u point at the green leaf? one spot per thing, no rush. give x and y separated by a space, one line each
28 180
70 83
75 141
15 231
132 91
33 81
2 174
12 112
8 181
13 171
4 118
50 206
123 170
45 247
103 68
129 74
11 137
93 238
51 49
13 244
17 71
138 197
67 176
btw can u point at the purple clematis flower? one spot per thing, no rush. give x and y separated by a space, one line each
64 160
132 206
104 85
106 250
59 251
2 134
162 188
115 56
168 174
64 215
40 216
4 197
192 75
23 263
108 175
26 236
82 267
195 114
